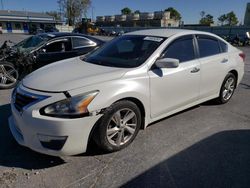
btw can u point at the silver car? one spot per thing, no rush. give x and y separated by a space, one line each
125 85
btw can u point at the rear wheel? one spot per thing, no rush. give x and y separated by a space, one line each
118 126
227 89
8 75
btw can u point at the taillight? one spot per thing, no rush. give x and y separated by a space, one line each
243 56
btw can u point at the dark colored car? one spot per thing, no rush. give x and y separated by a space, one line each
39 50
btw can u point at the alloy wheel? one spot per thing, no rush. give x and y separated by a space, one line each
8 75
228 88
121 127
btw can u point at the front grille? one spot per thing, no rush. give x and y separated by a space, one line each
22 100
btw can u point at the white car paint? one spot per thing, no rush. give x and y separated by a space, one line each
175 90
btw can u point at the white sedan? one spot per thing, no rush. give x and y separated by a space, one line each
125 85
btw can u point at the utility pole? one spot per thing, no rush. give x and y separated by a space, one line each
2 5
92 13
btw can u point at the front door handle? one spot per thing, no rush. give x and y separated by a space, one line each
195 69
224 60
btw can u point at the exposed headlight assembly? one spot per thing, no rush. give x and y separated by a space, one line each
73 107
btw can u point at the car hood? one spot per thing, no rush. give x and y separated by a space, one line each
70 74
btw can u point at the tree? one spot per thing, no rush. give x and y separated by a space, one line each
207 20
54 14
222 19
174 14
232 19
229 19
74 9
137 12
126 11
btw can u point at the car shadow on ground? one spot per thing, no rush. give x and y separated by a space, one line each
221 160
14 155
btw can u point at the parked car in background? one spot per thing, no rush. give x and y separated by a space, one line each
51 30
39 50
130 82
35 30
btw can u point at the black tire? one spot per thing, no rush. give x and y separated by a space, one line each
4 68
100 134
221 99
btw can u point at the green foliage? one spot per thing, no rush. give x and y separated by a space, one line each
126 11
232 18
174 14
222 19
74 9
229 19
207 19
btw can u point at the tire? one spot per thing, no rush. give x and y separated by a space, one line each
123 111
227 89
8 75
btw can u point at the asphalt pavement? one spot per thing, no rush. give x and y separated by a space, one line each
205 146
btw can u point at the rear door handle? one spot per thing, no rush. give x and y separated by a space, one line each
224 60
195 69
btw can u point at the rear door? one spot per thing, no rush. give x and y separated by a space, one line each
213 58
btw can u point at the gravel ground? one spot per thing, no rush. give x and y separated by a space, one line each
205 146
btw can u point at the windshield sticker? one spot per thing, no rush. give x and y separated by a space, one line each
155 39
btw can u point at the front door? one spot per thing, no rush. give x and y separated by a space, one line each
173 88
55 51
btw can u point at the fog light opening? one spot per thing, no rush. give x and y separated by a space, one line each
52 142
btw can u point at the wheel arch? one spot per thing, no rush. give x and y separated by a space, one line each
140 106
235 73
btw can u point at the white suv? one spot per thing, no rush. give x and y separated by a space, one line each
125 85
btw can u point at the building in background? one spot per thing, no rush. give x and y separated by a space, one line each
23 21
247 15
146 19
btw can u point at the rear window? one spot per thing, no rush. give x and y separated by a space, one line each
208 46
79 42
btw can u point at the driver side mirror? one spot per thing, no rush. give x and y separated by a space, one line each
167 63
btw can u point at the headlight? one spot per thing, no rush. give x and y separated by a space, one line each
74 107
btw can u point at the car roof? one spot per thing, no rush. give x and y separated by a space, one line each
166 32
64 34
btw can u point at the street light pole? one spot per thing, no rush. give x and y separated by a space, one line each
92 13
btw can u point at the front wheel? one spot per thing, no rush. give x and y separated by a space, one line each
8 75
227 88
118 126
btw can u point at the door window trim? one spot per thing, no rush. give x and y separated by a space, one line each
59 39
196 36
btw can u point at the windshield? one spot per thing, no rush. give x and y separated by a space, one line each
127 51
31 43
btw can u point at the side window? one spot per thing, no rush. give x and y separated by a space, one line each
79 42
59 46
181 49
208 46
223 46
